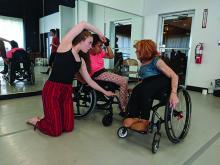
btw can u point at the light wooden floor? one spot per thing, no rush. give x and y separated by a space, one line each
92 144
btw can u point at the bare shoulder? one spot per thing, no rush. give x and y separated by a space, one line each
64 47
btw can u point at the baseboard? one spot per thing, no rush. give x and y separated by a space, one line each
193 88
19 95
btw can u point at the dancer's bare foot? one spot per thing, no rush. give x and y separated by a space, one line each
39 118
33 121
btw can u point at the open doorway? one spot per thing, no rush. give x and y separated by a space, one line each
175 42
121 37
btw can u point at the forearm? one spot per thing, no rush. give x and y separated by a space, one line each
3 39
109 52
84 73
66 43
78 29
174 83
92 28
94 85
54 45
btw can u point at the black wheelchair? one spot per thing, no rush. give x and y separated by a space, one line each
20 68
86 99
176 121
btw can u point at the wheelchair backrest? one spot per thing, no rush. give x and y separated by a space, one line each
21 56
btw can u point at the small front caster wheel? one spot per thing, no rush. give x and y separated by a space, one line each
122 132
156 142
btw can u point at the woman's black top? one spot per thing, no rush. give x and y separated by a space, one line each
64 68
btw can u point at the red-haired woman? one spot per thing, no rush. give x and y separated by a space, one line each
156 76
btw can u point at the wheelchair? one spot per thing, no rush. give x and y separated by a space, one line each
176 121
86 99
20 68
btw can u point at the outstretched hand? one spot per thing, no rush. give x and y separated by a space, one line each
173 100
109 93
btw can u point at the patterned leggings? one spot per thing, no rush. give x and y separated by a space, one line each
121 82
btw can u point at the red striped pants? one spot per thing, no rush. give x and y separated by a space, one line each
58 109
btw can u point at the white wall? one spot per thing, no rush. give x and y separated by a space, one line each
67 19
197 75
82 11
130 6
49 22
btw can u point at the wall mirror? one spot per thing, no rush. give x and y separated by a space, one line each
28 23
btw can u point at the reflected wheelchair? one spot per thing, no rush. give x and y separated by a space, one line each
20 68
176 121
86 99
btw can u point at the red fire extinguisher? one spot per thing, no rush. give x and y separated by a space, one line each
198 53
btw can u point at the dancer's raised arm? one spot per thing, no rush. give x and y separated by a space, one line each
66 42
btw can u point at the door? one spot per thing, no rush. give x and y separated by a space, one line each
174 41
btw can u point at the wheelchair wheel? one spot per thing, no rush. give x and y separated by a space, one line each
156 142
177 121
122 132
107 120
11 74
84 100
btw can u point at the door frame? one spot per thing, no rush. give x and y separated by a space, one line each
173 15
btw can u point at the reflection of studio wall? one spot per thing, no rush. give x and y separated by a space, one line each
63 20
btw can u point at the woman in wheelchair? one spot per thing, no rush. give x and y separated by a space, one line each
9 54
18 65
57 91
156 77
98 71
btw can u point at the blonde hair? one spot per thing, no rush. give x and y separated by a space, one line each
147 49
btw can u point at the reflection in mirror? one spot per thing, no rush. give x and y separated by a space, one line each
29 23
24 86
122 28
20 22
